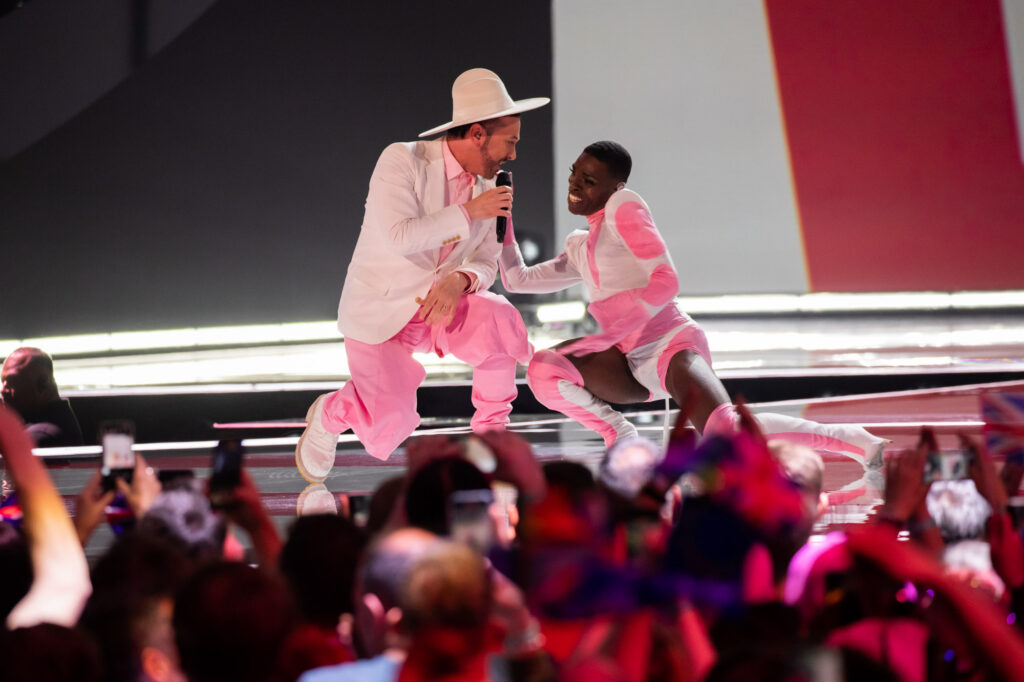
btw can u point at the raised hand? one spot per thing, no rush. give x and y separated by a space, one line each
90 507
144 488
490 204
905 487
515 462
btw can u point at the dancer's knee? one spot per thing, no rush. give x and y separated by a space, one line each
546 369
722 421
492 327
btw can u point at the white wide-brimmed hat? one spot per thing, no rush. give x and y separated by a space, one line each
478 95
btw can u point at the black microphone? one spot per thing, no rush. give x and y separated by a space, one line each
504 180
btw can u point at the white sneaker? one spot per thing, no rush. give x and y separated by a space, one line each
314 454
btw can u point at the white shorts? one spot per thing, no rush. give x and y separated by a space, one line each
649 362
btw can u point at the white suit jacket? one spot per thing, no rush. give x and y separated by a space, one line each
404 227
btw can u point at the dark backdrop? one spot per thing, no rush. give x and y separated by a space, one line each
223 182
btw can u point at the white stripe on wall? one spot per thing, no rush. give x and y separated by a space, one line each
1013 24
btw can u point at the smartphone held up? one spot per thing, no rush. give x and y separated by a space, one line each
225 472
117 438
952 465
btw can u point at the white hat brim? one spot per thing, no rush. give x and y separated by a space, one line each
518 107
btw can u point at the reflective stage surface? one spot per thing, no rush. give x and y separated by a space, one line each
854 490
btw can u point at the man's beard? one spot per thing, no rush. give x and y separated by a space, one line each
491 167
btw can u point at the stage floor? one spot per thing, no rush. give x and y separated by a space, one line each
854 490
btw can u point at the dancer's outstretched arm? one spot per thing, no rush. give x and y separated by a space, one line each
543 278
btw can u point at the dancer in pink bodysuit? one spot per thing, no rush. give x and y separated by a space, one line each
647 348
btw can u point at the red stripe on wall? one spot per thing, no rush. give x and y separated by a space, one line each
899 118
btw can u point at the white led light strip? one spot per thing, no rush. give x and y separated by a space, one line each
820 303
568 311
179 338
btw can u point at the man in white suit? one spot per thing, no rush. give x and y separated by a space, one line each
426 254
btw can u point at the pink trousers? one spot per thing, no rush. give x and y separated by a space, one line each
379 402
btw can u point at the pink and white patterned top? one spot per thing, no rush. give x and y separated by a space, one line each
623 262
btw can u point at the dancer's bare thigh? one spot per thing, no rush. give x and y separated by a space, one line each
606 374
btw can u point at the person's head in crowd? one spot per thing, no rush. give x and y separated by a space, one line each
28 387
970 562
572 494
573 477
383 502
48 653
15 568
566 547
958 509
960 512
805 468
571 491
709 545
230 623
428 495
28 381
445 604
739 527
129 611
629 464
183 517
625 471
379 578
318 561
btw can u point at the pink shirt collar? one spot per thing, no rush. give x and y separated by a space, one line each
452 168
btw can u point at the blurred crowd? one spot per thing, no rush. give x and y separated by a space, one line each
691 561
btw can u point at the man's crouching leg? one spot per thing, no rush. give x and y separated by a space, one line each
489 334
378 403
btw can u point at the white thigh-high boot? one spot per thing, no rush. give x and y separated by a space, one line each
557 384
847 439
